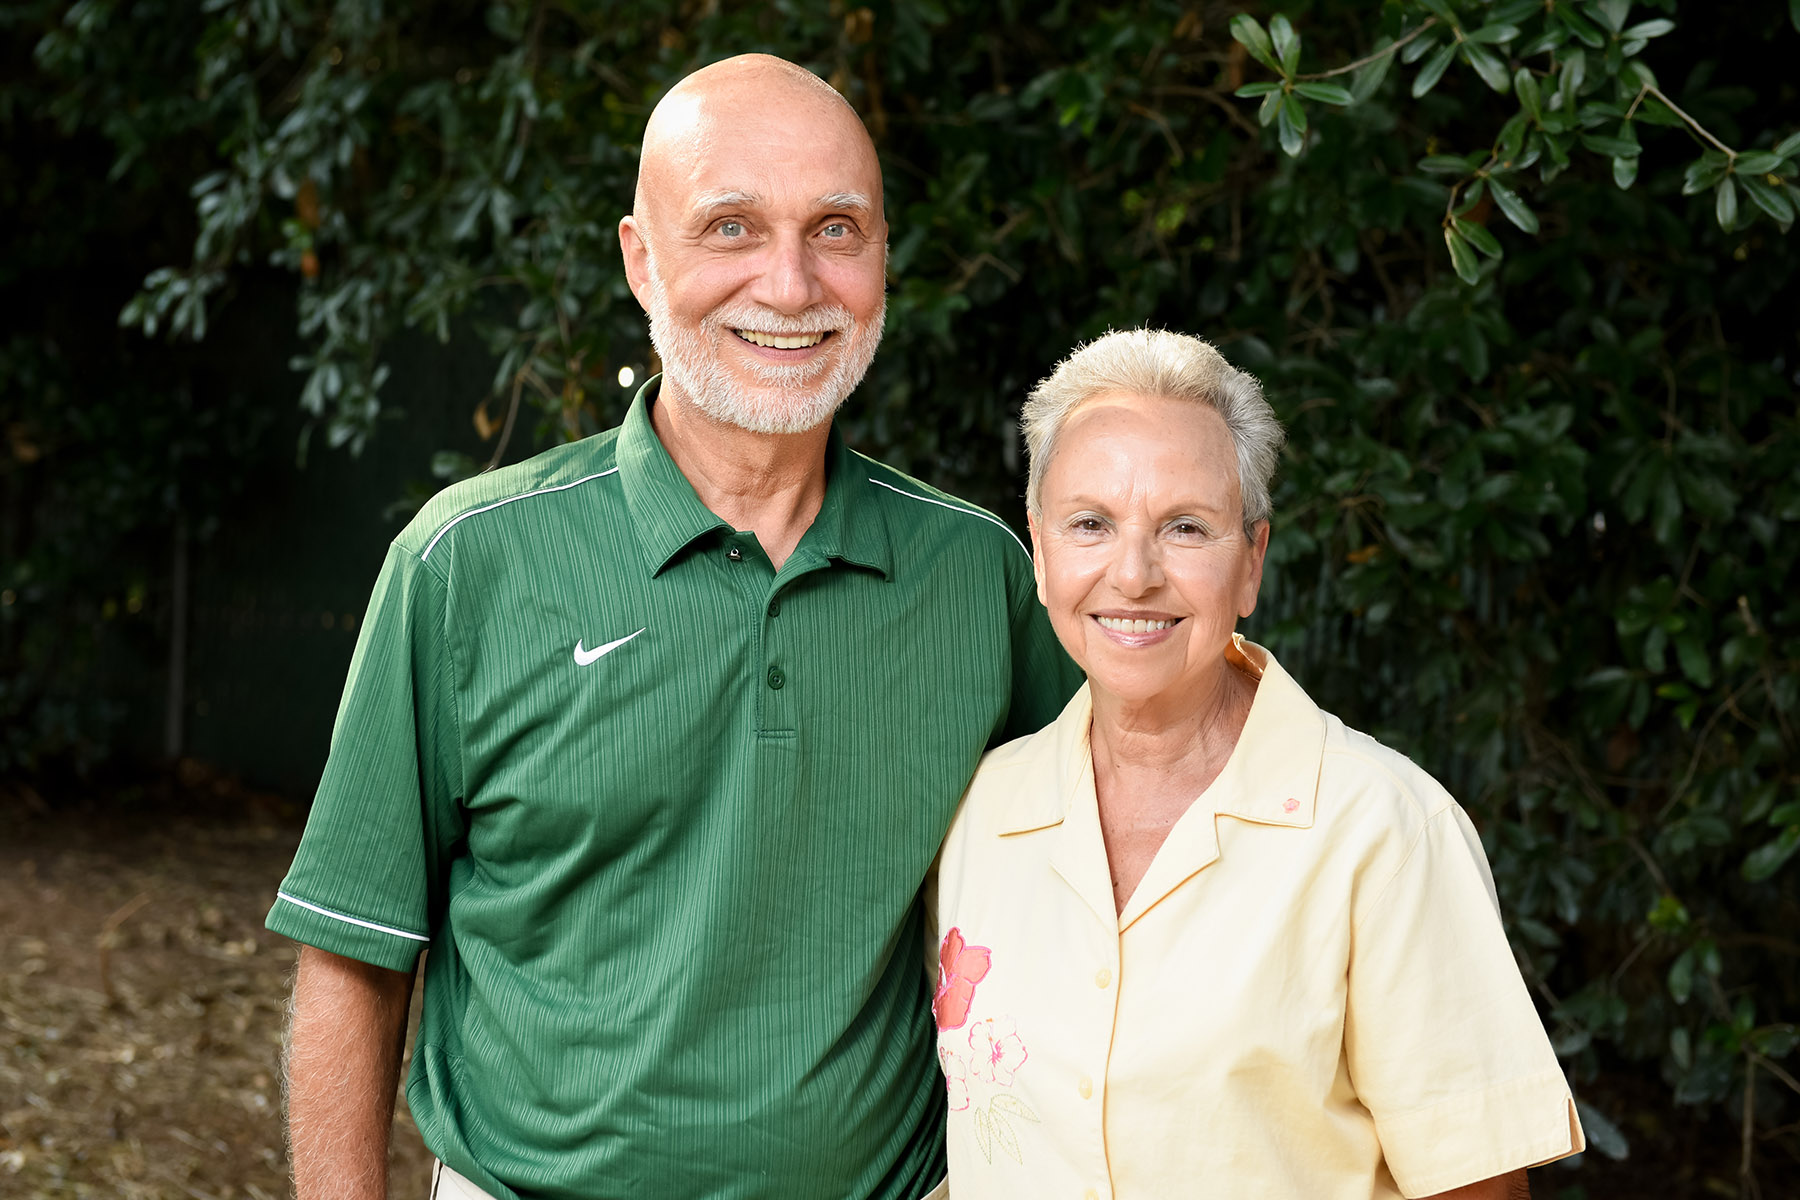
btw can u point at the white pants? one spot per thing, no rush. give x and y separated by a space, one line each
448 1185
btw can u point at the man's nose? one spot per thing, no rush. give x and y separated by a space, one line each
789 282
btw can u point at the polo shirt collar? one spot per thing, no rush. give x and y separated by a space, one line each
668 515
1271 778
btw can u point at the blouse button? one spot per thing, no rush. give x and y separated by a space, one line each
1090 1194
1102 977
1086 1088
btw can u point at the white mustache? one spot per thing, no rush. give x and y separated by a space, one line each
826 318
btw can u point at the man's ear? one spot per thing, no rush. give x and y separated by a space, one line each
1037 557
636 253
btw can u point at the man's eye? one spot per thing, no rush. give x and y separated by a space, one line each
837 229
731 229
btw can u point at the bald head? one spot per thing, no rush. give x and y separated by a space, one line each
749 96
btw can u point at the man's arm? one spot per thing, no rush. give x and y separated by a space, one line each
1513 1186
343 1068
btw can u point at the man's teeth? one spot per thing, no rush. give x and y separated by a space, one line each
1122 626
776 341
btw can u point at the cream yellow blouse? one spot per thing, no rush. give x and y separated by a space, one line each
1309 995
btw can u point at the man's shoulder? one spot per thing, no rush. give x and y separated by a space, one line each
488 496
932 512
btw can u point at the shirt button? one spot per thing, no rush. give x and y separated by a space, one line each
1102 977
1090 1194
734 554
1085 1087
775 607
776 678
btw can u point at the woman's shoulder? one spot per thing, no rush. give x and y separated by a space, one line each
1358 771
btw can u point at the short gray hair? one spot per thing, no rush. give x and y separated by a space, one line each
1173 366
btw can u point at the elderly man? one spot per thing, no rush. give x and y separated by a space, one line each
652 739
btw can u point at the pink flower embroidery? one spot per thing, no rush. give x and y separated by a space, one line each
995 1050
960 968
956 1079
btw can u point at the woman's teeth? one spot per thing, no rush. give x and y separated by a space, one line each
1122 626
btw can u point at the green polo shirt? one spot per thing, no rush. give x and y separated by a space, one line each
662 813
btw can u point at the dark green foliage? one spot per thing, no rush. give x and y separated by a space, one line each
1537 524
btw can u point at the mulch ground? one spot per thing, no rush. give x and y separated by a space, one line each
142 1003
142 1006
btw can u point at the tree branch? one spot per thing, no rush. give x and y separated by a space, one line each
1384 51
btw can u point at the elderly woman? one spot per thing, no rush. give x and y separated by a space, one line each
1197 937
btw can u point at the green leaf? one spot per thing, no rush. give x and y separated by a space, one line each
1488 65
1570 76
1526 85
1257 89
1445 164
1417 49
1681 977
1513 206
1287 43
1493 34
1440 10
1770 857
1625 172
1648 29
1602 1134
1789 146
1478 236
1756 162
1704 172
1292 126
1324 93
1433 70
1726 207
1772 200
1246 31
1366 81
1462 256
1271 107
1612 147
1690 651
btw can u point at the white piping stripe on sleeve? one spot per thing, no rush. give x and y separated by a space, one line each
967 512
561 487
336 916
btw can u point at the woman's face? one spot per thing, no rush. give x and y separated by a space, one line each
1140 549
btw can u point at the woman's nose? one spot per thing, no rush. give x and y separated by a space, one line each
1137 566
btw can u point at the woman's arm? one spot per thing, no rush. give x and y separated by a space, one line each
1513 1186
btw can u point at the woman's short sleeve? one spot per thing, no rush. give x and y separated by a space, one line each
1444 1045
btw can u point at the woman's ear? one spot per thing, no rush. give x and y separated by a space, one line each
1037 556
1259 550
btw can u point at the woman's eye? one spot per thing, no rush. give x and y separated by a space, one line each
1188 529
1088 525
731 229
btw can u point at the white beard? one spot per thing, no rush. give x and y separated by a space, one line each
791 398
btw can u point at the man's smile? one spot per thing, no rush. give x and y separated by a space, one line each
782 341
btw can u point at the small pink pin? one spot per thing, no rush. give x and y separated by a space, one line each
1289 805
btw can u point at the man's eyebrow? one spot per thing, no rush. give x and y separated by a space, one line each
712 202
847 201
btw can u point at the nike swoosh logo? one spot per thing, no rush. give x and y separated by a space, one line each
584 657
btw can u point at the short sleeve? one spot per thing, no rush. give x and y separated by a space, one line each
1043 674
1444 1046
367 880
